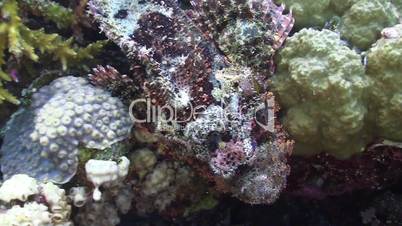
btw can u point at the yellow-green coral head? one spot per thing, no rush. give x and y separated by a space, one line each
321 82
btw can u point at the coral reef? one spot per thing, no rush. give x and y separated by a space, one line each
63 115
101 172
63 17
310 13
321 83
187 121
186 70
11 189
248 35
384 68
49 208
322 176
363 22
116 197
359 21
164 187
23 43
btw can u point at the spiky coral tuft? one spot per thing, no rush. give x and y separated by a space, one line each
19 41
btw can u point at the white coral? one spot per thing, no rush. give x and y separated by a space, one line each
12 189
55 212
30 214
101 172
57 201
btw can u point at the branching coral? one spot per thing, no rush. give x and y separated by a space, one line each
321 83
24 43
63 115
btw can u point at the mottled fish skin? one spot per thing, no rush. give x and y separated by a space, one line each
216 17
186 66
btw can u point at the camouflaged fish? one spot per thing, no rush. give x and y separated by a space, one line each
208 66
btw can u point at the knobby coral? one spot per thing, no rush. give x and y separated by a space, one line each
384 68
321 83
63 115
363 22
332 103
359 21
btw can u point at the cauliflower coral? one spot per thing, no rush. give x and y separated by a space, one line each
321 83
362 24
384 67
310 12
359 21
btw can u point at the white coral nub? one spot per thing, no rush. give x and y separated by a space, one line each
101 172
12 189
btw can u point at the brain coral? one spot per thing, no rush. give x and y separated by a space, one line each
42 140
385 68
320 82
362 24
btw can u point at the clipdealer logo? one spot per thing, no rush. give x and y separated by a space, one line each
263 114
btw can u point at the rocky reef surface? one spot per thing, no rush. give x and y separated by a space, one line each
200 112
